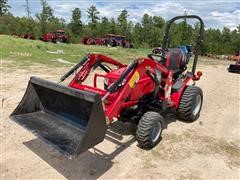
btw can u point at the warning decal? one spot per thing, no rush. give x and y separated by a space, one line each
134 79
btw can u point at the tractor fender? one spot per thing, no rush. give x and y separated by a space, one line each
176 96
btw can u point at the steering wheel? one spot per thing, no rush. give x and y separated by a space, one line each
158 52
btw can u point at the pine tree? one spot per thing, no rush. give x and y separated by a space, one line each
113 26
45 16
104 27
76 23
122 22
4 7
93 16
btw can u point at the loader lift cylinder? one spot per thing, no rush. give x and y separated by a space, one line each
113 87
71 71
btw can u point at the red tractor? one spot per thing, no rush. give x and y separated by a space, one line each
56 37
75 118
117 40
112 40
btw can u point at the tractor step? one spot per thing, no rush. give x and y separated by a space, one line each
70 120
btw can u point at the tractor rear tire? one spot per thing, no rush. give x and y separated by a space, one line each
149 130
190 104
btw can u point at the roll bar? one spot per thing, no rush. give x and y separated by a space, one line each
199 39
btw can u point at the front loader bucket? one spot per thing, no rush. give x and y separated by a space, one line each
70 120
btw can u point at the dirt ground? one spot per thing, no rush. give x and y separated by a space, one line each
206 149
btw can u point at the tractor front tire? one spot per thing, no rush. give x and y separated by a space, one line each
190 104
149 130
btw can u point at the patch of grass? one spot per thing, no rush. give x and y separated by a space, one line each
14 49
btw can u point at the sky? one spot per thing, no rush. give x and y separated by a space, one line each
215 13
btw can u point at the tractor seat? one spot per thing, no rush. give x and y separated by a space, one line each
176 61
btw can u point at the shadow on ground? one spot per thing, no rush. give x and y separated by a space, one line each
90 164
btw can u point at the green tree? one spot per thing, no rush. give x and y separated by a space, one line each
184 31
129 31
93 15
226 34
213 42
104 27
25 25
238 28
158 21
91 29
226 42
55 24
235 40
137 35
76 23
147 24
113 26
4 7
8 24
157 31
45 16
122 22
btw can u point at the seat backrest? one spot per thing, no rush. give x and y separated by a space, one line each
175 59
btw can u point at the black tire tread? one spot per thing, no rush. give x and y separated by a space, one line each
145 126
185 105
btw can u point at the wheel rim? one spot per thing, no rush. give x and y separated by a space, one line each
156 132
197 106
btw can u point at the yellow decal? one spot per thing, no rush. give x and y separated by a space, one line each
134 79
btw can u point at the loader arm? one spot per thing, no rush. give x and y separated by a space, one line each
134 73
86 64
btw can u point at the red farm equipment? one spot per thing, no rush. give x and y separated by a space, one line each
114 40
75 118
56 37
111 40
93 41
